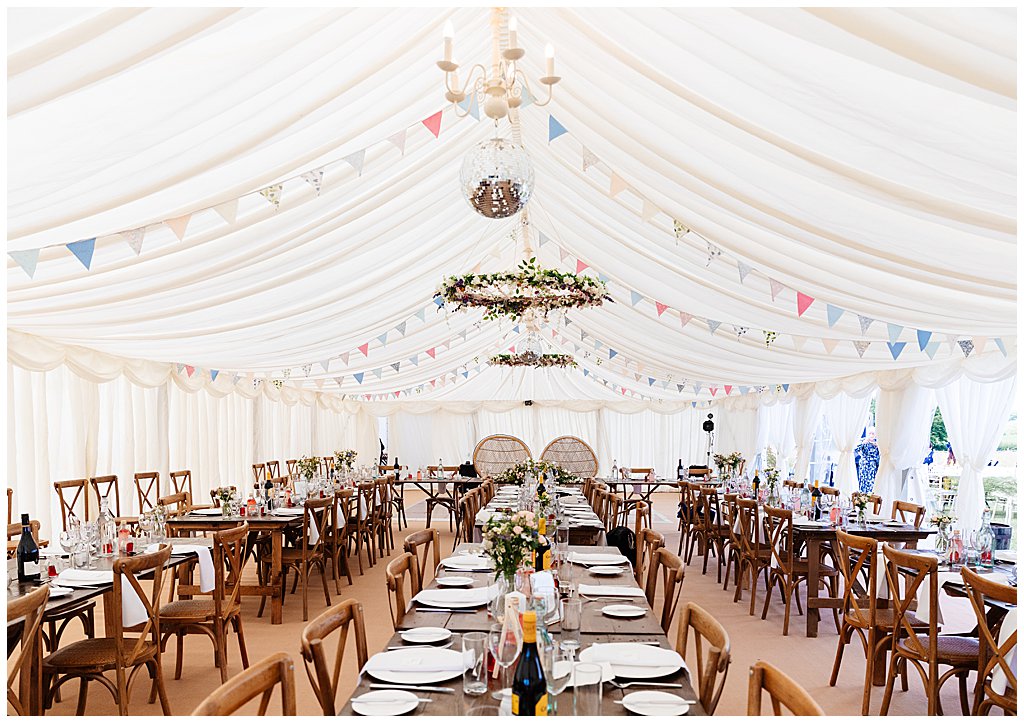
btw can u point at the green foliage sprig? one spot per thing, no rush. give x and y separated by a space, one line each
531 359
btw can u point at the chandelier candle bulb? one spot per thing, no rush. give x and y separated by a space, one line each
549 53
513 26
449 37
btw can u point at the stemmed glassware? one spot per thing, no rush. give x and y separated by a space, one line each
505 645
557 664
91 535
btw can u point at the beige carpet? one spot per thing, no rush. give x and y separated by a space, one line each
809 661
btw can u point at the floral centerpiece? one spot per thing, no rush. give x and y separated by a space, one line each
344 458
860 502
944 520
224 495
728 463
553 473
530 290
308 466
509 540
771 476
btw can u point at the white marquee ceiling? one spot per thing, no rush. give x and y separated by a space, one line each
865 158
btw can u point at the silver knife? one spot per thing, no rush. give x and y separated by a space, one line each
445 610
423 688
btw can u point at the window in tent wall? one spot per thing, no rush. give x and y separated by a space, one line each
388 455
823 453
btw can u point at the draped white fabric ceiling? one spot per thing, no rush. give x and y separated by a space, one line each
865 158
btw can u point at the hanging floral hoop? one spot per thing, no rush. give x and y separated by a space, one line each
530 289
532 359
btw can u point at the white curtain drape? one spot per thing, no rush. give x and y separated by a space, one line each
846 417
737 431
806 415
903 420
975 416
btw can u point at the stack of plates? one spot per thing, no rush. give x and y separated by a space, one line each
634 660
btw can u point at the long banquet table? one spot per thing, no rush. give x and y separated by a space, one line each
595 628
581 531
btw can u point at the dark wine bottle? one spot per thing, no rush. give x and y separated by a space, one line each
680 472
28 553
542 553
398 469
756 483
529 689
816 500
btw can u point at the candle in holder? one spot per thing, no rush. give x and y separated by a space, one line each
549 51
449 35
512 27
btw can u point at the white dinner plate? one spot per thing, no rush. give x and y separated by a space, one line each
425 635
597 558
894 523
385 702
467 562
58 591
654 702
454 581
623 611
622 654
565 667
413 667
607 571
208 512
439 600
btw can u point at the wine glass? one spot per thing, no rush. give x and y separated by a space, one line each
91 533
505 645
68 541
557 664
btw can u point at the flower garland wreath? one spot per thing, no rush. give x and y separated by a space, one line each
532 359
530 288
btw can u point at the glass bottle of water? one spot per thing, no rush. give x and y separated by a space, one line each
985 539
107 530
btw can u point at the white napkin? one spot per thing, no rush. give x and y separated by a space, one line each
287 512
414 661
484 516
610 591
462 562
449 595
811 523
1009 624
542 581
924 612
597 558
633 656
133 612
207 577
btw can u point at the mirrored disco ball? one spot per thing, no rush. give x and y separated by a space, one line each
497 178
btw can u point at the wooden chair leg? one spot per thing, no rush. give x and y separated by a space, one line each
889 683
180 649
165 704
83 694
122 692
237 620
323 578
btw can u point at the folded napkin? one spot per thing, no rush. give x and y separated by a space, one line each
133 612
924 612
461 562
597 558
450 595
610 591
287 511
811 523
207 577
413 661
1009 624
542 581
484 516
633 656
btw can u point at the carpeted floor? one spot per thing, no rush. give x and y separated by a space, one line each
808 661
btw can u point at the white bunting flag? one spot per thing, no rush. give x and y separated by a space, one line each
744 270
314 178
326 365
979 343
589 159
648 211
398 140
178 225
228 210
356 160
27 259
798 342
776 288
617 185
829 344
273 194
861 347
134 239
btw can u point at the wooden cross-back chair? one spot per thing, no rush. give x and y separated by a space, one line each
212 616
830 492
177 504
782 691
147 488
293 466
465 520
420 544
754 558
259 473
385 515
687 514
908 576
648 542
259 680
402 567
733 546
310 554
792 484
904 508
787 570
273 469
323 676
88 660
712 667
496 453
876 504
997 675
572 454
669 567
707 527
15 529
103 486
76 489
24 675
345 500
858 561
181 481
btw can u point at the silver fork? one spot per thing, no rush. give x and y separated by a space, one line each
642 684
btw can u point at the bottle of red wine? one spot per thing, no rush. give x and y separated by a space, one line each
816 500
398 469
542 554
529 689
680 472
28 553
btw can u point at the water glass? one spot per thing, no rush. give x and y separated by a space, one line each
572 620
474 651
587 691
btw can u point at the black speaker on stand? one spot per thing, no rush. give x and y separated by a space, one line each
709 427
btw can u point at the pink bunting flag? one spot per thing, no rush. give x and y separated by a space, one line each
776 288
829 344
803 303
660 307
617 185
344 358
365 349
684 318
178 225
728 389
190 370
433 124
431 352
580 266
714 391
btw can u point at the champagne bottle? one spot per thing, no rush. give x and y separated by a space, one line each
542 555
756 483
680 472
816 500
28 553
529 689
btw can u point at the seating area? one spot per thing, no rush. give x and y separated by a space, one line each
480 361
